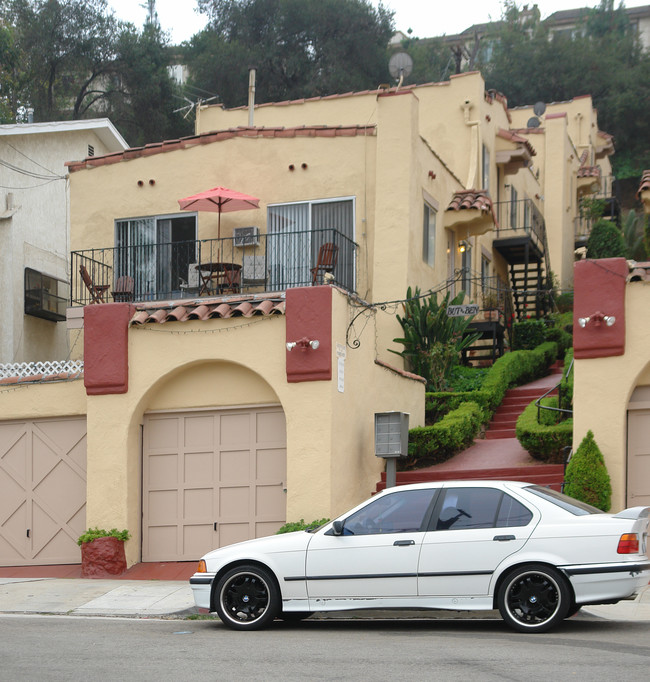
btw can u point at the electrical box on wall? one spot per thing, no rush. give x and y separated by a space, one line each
391 434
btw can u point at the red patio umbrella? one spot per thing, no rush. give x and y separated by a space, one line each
220 200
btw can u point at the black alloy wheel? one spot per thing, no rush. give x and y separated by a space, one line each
247 598
533 598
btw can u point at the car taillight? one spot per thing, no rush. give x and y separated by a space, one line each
202 568
628 544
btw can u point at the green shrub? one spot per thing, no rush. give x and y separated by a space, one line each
605 241
467 378
563 339
300 525
566 385
528 334
438 442
549 417
586 476
564 302
543 442
94 533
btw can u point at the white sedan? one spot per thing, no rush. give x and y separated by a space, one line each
533 553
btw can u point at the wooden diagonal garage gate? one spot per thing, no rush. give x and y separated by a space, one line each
42 491
211 478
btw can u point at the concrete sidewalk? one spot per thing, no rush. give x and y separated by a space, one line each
173 599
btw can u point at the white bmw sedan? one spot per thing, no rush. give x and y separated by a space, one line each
533 553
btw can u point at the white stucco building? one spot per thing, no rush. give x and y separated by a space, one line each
34 230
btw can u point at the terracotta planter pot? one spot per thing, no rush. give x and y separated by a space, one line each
103 557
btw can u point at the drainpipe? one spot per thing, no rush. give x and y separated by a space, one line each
472 175
251 96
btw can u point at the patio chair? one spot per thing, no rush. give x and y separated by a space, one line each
124 287
328 255
97 291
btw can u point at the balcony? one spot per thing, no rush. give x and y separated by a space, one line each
186 269
520 229
606 194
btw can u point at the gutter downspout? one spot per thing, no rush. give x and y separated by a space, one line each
474 143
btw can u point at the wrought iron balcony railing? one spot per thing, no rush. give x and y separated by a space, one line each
187 269
519 217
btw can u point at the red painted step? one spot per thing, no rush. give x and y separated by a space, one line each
550 475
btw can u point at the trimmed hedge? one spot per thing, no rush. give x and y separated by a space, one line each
566 388
586 475
528 334
513 369
543 442
454 419
456 430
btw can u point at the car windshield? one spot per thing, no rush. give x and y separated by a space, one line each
567 503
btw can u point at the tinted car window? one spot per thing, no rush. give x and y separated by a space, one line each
398 512
480 508
512 513
567 503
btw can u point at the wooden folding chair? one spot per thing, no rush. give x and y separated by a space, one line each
123 292
327 257
97 291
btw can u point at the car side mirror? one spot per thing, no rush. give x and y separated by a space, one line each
337 528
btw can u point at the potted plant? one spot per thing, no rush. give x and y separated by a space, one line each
102 552
491 306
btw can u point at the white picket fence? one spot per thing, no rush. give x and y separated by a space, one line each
47 368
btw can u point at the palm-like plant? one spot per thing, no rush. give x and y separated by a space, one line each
432 340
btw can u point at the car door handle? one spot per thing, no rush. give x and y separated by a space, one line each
503 538
403 543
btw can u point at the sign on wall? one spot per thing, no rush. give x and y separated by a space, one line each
462 310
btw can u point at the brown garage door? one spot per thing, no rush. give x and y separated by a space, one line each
42 491
211 479
638 458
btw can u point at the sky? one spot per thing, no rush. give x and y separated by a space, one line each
427 18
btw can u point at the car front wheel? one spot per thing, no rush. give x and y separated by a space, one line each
247 598
533 598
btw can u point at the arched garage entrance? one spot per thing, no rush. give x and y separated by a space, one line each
638 448
211 478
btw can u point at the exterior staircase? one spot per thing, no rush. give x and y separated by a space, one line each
500 439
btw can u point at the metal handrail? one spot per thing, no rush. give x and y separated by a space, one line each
538 402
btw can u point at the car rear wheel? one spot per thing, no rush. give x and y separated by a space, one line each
533 598
247 598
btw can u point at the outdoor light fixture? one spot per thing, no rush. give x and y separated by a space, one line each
462 246
597 319
303 344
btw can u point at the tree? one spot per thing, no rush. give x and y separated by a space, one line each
586 476
142 99
65 48
605 241
301 48
603 58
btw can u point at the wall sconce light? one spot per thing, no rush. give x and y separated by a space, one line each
462 246
597 319
303 344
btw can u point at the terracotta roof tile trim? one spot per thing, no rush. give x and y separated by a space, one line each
645 183
41 378
208 309
513 137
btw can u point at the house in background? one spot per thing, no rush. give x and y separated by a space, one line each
34 231
234 362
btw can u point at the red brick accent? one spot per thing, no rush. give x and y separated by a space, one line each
106 361
599 287
309 317
102 558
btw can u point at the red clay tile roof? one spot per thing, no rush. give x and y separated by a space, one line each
639 272
470 198
513 137
208 309
218 136
583 157
645 183
589 172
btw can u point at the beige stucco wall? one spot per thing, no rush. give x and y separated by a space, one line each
603 386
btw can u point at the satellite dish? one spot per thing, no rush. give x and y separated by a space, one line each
400 65
533 122
539 108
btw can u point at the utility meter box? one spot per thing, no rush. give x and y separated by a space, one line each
391 434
